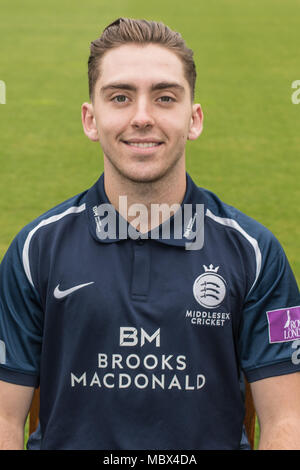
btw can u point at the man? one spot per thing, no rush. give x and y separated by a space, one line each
135 327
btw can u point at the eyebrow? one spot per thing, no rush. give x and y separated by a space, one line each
154 86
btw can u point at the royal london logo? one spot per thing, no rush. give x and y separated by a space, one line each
209 288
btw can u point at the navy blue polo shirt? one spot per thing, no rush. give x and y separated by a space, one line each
136 341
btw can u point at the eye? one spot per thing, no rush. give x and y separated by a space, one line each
166 99
120 99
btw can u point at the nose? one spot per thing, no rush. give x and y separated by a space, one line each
142 117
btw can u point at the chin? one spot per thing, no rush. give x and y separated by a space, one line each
145 176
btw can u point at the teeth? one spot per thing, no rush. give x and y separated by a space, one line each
143 144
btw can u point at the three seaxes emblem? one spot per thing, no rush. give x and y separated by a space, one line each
209 288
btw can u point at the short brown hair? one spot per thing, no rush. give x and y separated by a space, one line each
127 30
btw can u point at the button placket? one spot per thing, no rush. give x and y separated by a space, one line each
140 270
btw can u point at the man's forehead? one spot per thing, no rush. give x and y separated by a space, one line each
148 62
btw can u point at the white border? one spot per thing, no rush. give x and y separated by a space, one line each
50 220
233 224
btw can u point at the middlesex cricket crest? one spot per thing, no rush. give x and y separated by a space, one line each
209 288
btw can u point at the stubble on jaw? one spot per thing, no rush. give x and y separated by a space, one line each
149 185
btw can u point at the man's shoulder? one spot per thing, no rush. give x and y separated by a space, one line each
72 205
233 224
230 217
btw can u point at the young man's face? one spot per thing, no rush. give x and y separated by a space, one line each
142 112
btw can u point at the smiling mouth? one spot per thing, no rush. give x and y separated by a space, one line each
142 145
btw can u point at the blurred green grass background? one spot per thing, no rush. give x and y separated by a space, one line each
247 56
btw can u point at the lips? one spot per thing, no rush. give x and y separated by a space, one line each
143 144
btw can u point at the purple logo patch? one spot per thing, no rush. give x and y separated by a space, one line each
284 324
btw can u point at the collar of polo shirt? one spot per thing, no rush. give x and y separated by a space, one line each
182 228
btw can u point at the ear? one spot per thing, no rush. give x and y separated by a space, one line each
196 124
89 122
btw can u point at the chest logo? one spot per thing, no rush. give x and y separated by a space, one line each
60 294
209 288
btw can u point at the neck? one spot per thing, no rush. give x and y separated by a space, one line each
142 198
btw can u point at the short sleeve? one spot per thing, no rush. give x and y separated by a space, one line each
274 294
21 320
